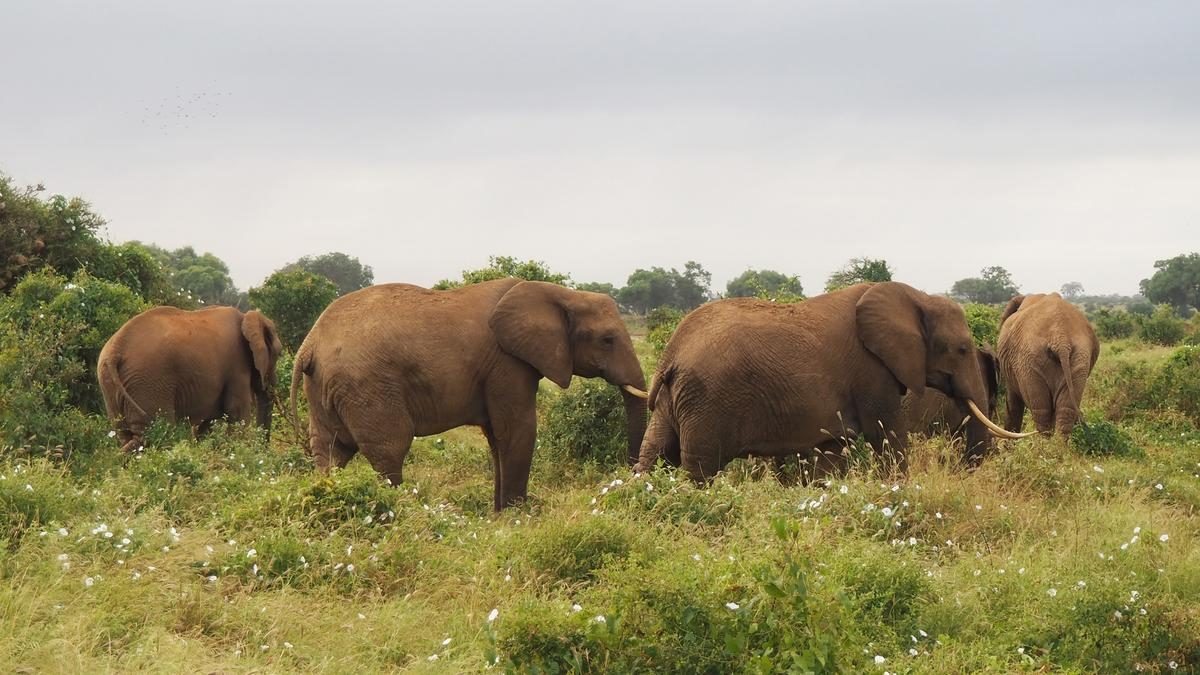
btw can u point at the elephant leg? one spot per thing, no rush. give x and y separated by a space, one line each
661 440
383 436
1066 412
1040 399
388 458
879 430
330 450
1014 408
512 438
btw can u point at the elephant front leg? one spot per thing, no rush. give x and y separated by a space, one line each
512 438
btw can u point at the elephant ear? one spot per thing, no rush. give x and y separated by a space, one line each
990 370
530 322
264 344
1013 306
891 325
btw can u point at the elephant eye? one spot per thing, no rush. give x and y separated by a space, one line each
962 350
609 340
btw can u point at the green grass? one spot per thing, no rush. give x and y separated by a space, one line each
225 556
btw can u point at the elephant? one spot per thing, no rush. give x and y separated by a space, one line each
935 413
189 365
1047 349
749 377
393 361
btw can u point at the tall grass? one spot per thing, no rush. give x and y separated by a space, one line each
223 555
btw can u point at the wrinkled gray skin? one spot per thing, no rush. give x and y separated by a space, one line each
1047 349
935 413
394 361
745 376
197 366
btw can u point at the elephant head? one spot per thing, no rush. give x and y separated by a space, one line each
263 340
924 341
563 332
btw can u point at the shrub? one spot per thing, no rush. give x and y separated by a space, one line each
573 552
588 422
1113 324
1177 383
37 233
293 300
984 322
1100 437
51 334
660 325
1163 327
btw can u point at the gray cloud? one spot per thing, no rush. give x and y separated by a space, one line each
1060 140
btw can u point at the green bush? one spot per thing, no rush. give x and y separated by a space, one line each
1177 383
1099 437
660 325
1163 327
984 322
51 332
1113 324
293 300
573 552
36 494
587 421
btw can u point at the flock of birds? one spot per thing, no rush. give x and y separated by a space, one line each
181 110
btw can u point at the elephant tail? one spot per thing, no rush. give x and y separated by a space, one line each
300 368
664 376
110 375
1063 351
661 438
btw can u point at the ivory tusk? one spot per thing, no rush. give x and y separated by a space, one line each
635 391
996 429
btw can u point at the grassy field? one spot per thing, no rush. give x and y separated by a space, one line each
221 556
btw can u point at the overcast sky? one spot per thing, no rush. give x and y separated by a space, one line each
1060 140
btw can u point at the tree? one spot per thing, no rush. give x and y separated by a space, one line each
293 300
1176 282
346 272
598 287
857 271
755 283
993 285
501 267
656 287
56 232
201 277
692 288
1072 290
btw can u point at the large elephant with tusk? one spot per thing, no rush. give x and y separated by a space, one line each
745 376
393 361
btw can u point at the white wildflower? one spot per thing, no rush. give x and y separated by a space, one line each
732 605
491 615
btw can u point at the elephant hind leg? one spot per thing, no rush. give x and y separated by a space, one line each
1014 408
388 458
661 440
1066 412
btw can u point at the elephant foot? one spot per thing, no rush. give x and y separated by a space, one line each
133 445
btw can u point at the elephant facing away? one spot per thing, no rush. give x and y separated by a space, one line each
935 413
1046 349
394 361
188 365
744 376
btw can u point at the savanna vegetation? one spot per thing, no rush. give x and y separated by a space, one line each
230 554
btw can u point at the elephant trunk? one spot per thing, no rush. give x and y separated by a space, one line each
263 400
635 424
628 376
